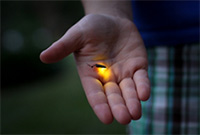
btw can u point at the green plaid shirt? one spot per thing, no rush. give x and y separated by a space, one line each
174 105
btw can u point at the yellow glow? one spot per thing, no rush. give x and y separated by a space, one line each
100 57
101 71
104 72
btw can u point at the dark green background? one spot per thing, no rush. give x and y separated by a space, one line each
37 98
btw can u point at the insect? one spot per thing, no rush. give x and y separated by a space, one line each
97 65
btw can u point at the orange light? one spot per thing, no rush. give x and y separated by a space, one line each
101 71
104 73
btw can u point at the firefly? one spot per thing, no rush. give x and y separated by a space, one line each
97 65
102 71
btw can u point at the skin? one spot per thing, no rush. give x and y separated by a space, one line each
114 41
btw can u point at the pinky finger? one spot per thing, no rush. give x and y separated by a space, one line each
142 84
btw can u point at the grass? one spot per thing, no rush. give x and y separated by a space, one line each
51 105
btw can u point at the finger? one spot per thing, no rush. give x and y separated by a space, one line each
63 47
131 98
142 84
117 103
97 99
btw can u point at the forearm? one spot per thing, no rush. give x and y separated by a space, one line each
109 7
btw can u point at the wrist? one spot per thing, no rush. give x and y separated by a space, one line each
120 9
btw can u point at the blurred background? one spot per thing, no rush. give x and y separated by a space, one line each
37 98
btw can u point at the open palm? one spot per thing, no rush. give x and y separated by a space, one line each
115 43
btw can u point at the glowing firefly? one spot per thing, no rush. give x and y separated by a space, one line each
102 70
97 65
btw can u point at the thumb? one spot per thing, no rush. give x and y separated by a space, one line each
68 43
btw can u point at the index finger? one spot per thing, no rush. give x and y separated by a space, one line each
97 99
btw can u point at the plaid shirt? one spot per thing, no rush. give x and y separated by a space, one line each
174 105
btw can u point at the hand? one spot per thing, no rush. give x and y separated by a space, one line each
116 43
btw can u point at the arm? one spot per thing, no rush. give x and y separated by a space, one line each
107 36
111 7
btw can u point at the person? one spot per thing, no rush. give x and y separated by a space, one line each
108 34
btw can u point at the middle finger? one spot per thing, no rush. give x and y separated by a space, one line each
116 103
